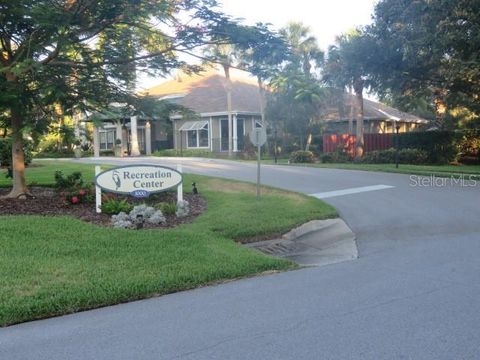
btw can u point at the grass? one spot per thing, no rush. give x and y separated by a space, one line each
41 172
56 265
427 170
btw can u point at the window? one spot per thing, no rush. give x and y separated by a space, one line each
107 139
192 138
203 137
258 124
198 135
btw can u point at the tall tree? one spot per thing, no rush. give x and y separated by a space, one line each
305 51
296 95
262 62
348 66
225 55
429 50
49 53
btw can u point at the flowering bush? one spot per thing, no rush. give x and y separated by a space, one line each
73 188
80 196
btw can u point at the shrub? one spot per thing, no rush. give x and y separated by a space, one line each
78 196
54 154
137 216
301 156
69 182
469 147
168 208
6 151
405 156
440 146
184 153
338 156
73 188
183 208
412 156
111 206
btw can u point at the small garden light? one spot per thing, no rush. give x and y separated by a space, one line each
139 221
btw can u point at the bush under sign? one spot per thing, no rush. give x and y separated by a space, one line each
138 180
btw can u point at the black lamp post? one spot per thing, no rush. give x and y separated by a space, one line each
275 143
397 144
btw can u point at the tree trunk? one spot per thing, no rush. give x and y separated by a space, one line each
228 88
359 145
352 111
19 189
261 94
309 142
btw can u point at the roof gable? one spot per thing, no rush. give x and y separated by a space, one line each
372 111
205 92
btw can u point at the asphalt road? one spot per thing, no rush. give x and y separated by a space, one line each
414 293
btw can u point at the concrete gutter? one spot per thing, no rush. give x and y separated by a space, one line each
316 243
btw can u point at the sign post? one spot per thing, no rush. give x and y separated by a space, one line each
258 137
180 186
98 192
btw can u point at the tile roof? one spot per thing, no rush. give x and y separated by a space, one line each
371 111
205 92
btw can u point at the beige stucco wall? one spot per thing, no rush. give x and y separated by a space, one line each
214 124
177 124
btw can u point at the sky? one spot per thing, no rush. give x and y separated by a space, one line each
326 18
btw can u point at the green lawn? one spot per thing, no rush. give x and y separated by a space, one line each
41 172
56 265
437 170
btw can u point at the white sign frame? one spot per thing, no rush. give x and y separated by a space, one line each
148 191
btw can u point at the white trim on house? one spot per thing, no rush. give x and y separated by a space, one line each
258 124
235 135
219 113
210 132
193 125
172 96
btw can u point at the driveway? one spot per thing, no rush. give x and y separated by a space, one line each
413 293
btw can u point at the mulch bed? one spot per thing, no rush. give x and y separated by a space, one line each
48 202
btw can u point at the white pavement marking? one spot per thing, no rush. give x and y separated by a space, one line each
329 194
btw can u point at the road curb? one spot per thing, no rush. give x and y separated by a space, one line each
316 243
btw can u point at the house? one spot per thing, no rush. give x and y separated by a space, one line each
378 118
205 94
206 127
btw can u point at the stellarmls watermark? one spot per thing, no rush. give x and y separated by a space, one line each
464 180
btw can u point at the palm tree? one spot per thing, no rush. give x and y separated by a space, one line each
303 55
262 62
347 67
304 46
225 55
